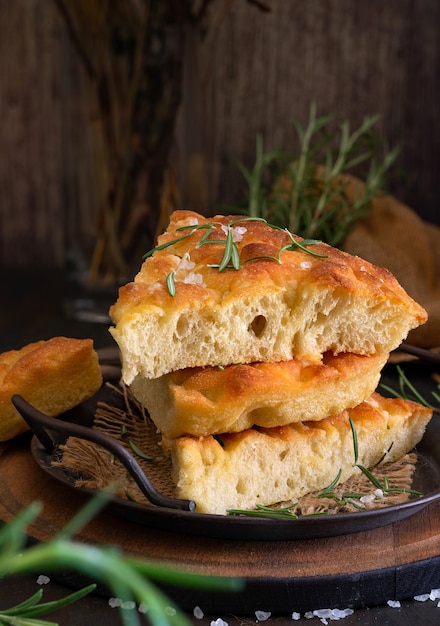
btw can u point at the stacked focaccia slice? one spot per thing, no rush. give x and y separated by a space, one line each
252 349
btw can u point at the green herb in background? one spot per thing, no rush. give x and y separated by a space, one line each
127 578
407 391
306 191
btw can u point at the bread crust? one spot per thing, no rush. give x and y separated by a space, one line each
212 400
266 466
54 376
266 310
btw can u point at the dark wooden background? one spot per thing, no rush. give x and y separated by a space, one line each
253 71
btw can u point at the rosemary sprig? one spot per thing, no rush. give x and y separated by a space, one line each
139 452
231 256
408 391
127 578
24 613
305 190
266 511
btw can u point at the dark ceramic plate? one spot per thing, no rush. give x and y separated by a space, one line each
426 480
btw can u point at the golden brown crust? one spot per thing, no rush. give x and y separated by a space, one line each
53 375
306 304
266 466
210 400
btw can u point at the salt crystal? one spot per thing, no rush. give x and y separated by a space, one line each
309 615
237 232
422 598
143 608
322 612
435 594
394 604
115 602
169 610
198 613
305 265
185 263
296 616
368 499
128 605
43 580
193 279
378 493
219 622
262 616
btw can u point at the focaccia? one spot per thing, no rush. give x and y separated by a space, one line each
232 289
54 376
212 400
266 466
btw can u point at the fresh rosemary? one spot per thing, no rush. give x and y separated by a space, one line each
408 391
127 578
306 191
231 256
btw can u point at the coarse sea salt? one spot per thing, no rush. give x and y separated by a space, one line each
296 616
434 594
394 604
329 614
237 232
43 580
128 605
198 613
218 622
262 616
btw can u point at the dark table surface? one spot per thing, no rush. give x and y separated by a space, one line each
38 305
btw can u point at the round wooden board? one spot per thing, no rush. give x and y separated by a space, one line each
393 562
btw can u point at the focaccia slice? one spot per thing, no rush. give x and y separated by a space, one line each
232 289
266 466
213 400
54 376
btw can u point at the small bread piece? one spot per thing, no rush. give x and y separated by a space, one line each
54 376
266 466
281 302
212 400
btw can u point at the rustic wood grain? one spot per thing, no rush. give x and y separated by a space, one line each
253 72
412 540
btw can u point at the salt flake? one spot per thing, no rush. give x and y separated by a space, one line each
198 613
394 604
422 597
128 605
262 616
219 622
43 580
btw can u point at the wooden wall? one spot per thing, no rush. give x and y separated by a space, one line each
253 71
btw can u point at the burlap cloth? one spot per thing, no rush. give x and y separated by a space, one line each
395 237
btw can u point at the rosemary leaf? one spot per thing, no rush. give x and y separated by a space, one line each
331 485
171 285
139 452
370 476
228 251
355 440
